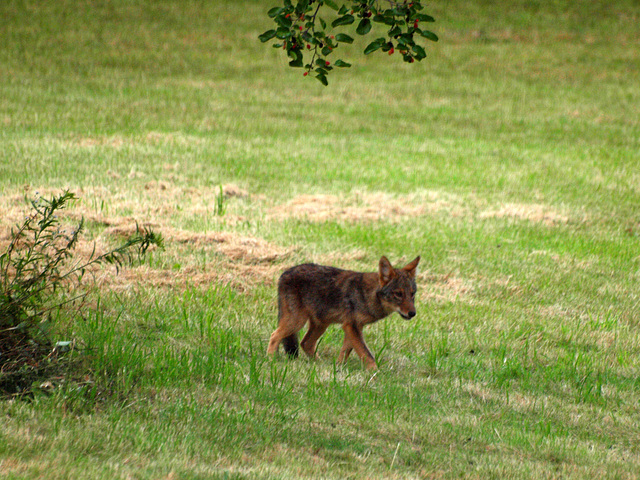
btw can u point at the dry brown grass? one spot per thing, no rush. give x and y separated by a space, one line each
366 207
444 288
531 212
379 206
239 260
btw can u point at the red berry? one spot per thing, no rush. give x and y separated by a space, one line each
287 15
308 46
305 74
391 51
328 63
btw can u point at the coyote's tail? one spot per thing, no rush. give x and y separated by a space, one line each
290 345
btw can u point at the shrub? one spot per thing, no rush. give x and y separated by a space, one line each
39 277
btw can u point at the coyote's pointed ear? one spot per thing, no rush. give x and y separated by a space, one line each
410 268
386 271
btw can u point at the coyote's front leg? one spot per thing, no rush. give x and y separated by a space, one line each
353 340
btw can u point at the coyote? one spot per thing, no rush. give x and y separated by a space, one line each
323 295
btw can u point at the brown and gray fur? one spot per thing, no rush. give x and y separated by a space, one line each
321 295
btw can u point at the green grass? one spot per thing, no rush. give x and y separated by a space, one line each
519 137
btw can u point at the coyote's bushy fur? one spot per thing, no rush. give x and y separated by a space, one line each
321 295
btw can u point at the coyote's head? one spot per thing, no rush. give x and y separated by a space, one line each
398 287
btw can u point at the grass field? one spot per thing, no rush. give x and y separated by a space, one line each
509 160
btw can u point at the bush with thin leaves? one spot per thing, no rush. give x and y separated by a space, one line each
39 277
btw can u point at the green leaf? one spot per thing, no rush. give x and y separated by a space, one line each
340 63
420 53
275 11
268 35
375 45
344 38
296 63
323 23
296 58
364 26
283 21
331 4
326 51
405 42
283 33
386 18
425 18
323 79
395 31
302 6
345 20
429 35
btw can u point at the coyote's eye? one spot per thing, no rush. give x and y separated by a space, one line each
397 294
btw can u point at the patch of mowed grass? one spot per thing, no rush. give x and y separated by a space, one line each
549 125
172 406
523 361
